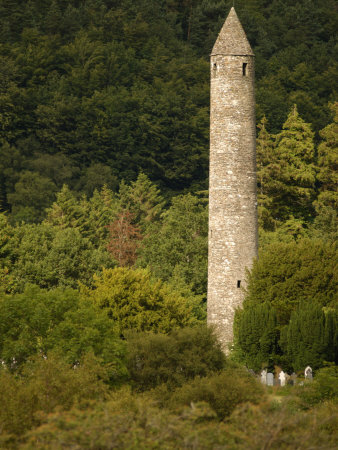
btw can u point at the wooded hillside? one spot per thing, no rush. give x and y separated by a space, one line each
93 92
104 113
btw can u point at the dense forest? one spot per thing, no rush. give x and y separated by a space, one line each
104 112
96 91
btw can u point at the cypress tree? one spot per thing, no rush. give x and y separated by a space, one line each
311 336
331 334
256 335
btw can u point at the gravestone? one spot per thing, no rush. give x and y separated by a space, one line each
308 373
263 376
277 372
269 379
282 378
293 379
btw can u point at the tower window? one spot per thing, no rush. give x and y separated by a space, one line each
215 66
238 283
244 69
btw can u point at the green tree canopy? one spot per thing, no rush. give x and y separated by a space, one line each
289 189
51 256
38 321
266 165
179 244
32 194
97 92
287 273
311 338
292 290
327 202
174 358
257 345
90 217
143 199
134 300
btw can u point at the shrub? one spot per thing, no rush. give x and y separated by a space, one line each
153 359
324 387
44 385
223 391
268 426
127 423
130 421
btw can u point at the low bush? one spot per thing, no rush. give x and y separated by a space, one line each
43 386
273 426
154 359
223 391
129 421
324 387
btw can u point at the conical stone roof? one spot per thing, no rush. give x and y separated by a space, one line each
232 39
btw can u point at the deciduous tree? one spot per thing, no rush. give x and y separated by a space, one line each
124 239
134 300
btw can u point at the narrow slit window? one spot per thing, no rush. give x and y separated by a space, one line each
215 66
238 283
244 68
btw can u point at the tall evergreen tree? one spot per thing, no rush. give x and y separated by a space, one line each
143 199
266 165
65 211
53 18
328 161
293 176
327 202
310 336
257 345
90 217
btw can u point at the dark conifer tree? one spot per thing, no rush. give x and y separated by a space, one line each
311 336
256 335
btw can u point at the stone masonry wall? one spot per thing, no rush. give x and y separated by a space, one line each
232 188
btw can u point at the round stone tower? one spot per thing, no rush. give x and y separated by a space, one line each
233 225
